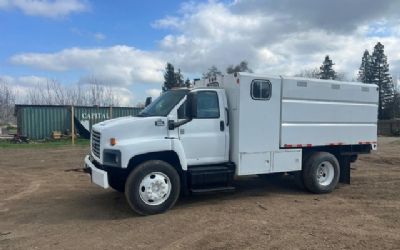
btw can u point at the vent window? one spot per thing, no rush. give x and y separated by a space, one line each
335 86
301 84
364 89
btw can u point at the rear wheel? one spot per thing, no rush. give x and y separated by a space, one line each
152 187
321 173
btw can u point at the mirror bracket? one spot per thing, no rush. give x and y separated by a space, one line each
173 125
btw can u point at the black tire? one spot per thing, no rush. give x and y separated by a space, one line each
116 182
133 189
310 173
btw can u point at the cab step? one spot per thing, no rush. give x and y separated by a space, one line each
210 178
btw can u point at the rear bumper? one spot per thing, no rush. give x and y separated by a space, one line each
98 176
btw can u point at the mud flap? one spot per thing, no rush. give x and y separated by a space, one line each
344 163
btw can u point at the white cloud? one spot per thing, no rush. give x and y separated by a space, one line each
167 22
88 34
117 65
154 93
124 96
46 8
278 37
99 36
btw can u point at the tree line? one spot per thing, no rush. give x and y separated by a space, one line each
92 93
174 79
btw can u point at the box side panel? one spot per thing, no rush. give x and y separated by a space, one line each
254 163
327 134
299 111
259 121
258 126
314 89
286 160
328 112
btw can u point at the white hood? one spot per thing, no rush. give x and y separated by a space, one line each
128 128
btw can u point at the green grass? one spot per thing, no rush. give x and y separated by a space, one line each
43 144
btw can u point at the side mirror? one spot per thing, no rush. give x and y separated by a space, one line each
148 101
190 111
171 125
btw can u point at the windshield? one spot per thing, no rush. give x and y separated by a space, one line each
164 104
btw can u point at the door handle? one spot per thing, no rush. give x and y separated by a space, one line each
222 125
227 116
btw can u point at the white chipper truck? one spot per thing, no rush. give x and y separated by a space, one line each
200 139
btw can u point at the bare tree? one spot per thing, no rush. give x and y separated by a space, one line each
93 92
100 93
315 74
212 72
309 73
7 103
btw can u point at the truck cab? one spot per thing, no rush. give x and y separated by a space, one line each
198 140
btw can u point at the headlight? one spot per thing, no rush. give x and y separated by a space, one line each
112 158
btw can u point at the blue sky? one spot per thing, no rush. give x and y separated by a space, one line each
100 24
126 44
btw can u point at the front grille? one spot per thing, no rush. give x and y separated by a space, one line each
96 143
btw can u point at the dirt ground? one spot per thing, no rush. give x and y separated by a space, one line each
46 204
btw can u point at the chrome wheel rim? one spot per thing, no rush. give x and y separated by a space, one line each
325 173
155 188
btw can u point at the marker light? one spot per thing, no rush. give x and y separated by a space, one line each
113 141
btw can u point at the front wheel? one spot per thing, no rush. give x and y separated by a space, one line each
152 187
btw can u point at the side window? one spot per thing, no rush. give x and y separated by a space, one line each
260 89
182 111
207 104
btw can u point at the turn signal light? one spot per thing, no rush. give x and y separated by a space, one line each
113 141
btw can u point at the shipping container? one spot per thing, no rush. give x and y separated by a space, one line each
39 121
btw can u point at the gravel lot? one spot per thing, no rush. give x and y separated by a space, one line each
46 203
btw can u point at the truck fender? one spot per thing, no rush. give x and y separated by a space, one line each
178 148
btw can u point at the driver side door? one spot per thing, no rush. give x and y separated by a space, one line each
204 138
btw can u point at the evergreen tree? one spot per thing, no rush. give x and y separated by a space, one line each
169 77
326 70
396 104
187 83
365 72
179 79
381 77
243 66
172 79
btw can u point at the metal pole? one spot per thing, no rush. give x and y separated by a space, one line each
111 112
72 125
